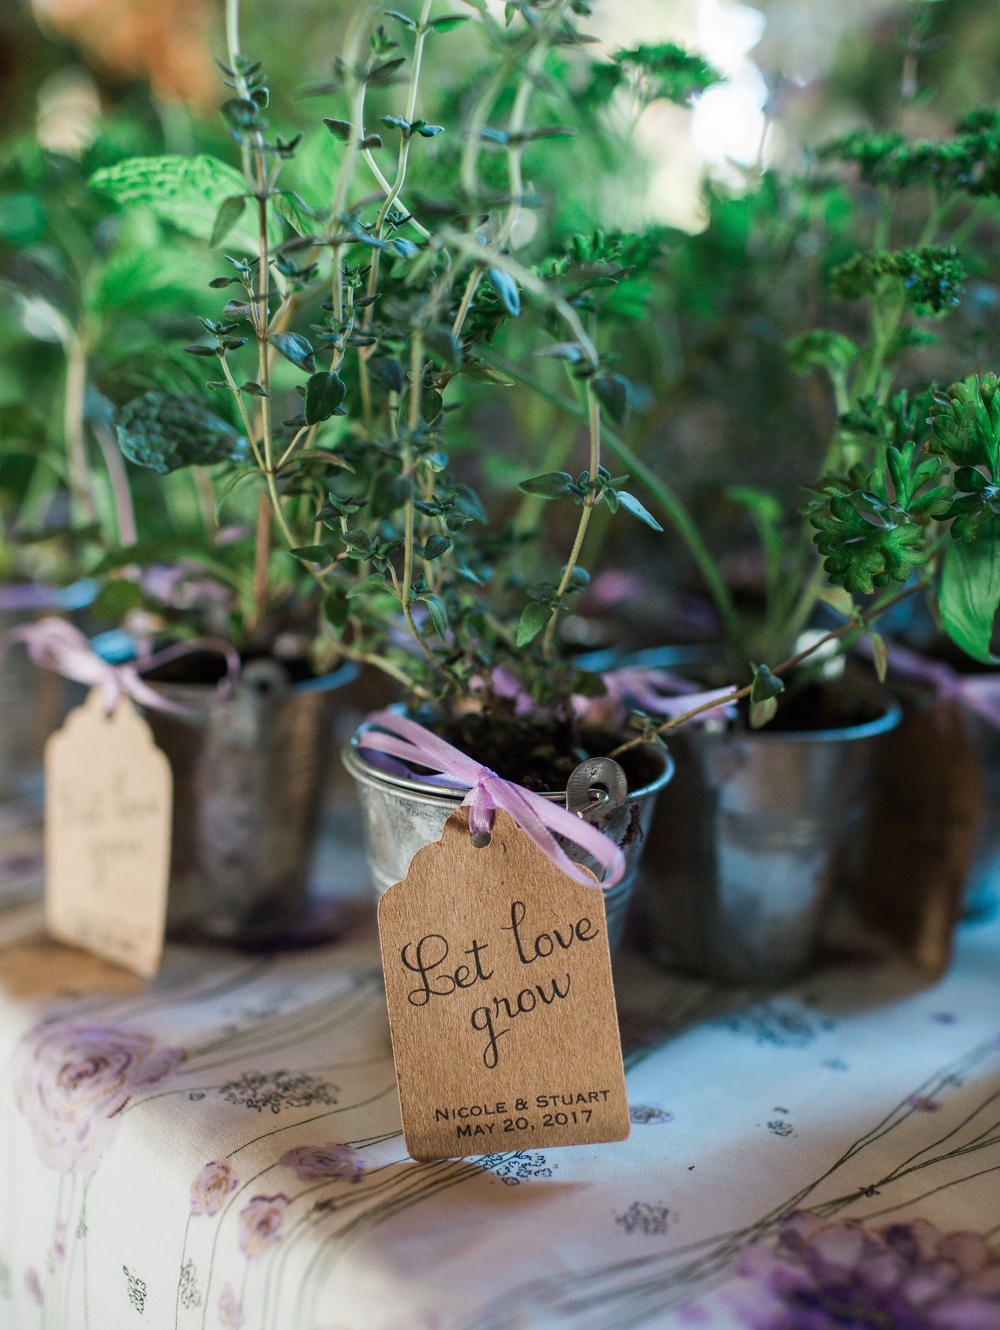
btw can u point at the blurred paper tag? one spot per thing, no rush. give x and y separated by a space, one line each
108 793
501 1004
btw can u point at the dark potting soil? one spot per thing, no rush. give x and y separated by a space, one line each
208 667
821 706
541 753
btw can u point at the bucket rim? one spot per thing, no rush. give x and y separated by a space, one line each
362 770
890 718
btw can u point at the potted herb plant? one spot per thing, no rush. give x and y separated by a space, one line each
765 814
371 307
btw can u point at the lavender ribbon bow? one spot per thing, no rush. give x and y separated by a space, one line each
537 817
57 645
979 692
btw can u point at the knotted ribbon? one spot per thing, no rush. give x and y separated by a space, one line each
656 692
979 692
536 816
57 645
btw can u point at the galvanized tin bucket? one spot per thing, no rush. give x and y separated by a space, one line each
249 774
748 843
982 895
401 816
32 704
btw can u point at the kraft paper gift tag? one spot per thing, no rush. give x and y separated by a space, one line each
501 1004
108 794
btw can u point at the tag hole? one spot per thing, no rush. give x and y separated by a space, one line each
480 839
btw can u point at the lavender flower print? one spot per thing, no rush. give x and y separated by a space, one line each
34 1285
72 1081
230 1311
830 1276
314 1162
260 1225
211 1187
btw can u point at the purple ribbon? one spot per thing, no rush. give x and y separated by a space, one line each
536 816
979 692
57 645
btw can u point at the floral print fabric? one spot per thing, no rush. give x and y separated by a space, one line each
73 1080
222 1149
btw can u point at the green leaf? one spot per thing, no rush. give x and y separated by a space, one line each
550 485
296 348
477 371
441 343
838 599
400 18
970 593
880 655
236 478
533 620
388 371
467 501
762 712
167 431
336 610
614 392
116 599
831 350
295 211
571 351
383 73
439 615
765 684
389 493
448 21
230 212
312 553
341 129
633 505
22 218
862 555
506 289
373 582
435 546
187 192
324 393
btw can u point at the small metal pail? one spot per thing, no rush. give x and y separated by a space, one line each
748 843
32 704
401 816
249 774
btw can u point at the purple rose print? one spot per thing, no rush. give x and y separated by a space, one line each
72 1081
211 1187
230 1311
260 1225
829 1276
313 1162
34 1285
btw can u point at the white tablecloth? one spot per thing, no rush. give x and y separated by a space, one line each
222 1148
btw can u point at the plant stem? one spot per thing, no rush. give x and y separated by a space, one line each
411 109
473 133
515 151
261 554
413 420
665 496
348 163
594 421
852 625
78 473
490 257
113 460
386 188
